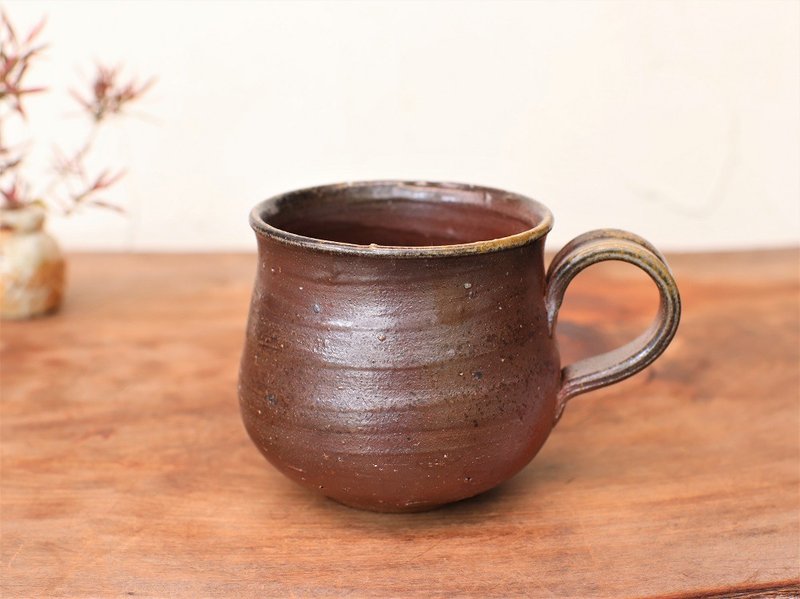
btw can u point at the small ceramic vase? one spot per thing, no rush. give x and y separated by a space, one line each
31 265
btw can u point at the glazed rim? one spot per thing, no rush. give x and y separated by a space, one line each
423 191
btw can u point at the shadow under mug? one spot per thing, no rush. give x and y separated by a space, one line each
400 350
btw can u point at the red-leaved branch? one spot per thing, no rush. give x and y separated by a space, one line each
72 186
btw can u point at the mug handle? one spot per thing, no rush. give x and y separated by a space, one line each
618 364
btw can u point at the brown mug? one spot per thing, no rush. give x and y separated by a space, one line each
400 350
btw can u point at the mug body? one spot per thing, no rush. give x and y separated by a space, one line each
398 355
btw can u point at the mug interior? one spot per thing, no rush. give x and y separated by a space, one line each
401 214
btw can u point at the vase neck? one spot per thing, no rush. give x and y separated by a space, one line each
27 219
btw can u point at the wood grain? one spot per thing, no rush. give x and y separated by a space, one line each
126 470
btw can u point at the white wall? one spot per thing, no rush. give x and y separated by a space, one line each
677 120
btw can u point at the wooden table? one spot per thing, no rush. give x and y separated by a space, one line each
126 470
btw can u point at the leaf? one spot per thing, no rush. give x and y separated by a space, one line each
9 27
31 90
104 180
106 205
82 101
37 29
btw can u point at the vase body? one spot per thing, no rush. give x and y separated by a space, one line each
31 265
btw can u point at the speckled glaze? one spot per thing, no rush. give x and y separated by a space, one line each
31 265
399 351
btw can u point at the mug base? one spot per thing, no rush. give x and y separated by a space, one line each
388 508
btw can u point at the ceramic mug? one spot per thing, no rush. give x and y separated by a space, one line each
400 350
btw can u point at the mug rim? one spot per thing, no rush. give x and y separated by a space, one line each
260 225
